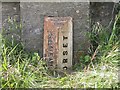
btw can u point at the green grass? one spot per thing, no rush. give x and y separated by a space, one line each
21 69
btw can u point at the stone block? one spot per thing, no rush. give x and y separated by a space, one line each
33 13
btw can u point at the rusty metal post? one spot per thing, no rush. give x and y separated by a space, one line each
58 42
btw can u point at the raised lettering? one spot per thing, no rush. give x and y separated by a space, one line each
65 45
65 37
65 52
65 67
50 61
65 60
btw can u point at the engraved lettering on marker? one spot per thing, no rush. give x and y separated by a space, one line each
65 45
50 61
65 60
50 48
65 67
65 52
65 37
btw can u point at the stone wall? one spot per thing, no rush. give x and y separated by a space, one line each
11 9
0 16
102 12
32 15
10 12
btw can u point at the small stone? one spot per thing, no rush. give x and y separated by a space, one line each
77 11
15 8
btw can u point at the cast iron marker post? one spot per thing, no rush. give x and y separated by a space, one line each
58 41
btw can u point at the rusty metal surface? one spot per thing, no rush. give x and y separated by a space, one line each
58 42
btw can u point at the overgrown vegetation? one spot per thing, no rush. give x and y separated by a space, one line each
21 69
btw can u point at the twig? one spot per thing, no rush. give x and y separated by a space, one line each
95 53
93 57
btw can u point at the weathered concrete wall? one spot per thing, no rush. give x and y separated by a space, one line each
12 10
0 15
102 12
32 15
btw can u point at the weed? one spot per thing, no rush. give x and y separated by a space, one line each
21 69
